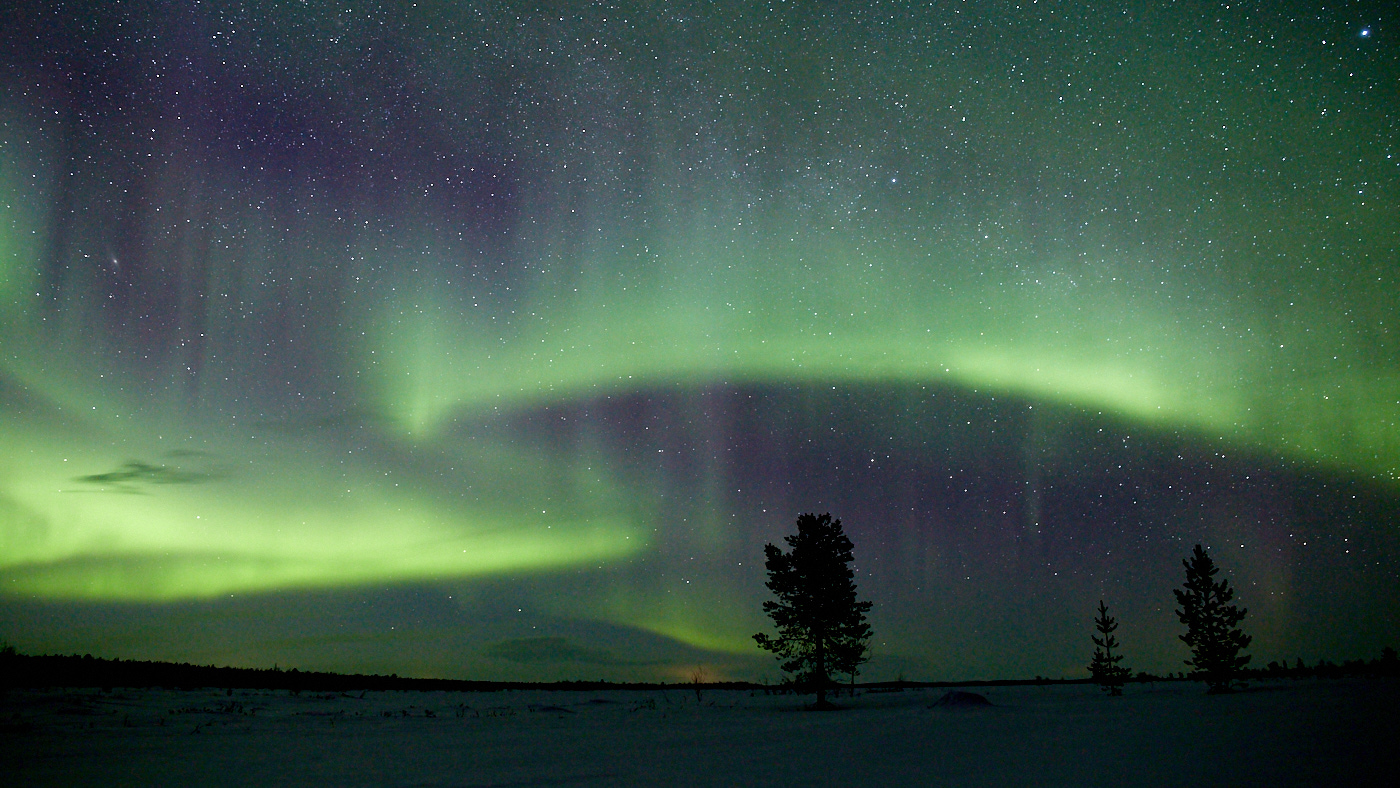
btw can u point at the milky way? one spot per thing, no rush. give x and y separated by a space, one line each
475 340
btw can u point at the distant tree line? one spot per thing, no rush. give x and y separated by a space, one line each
39 671
33 671
1386 665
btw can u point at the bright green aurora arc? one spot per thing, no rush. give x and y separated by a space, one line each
480 340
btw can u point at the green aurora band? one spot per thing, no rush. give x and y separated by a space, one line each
1225 271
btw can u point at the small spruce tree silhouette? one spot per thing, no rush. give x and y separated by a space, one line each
1212 624
1104 667
821 627
848 658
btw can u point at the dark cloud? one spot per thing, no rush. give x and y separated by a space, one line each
134 472
552 650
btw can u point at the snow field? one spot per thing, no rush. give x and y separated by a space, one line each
1285 733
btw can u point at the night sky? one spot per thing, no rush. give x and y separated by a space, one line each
478 340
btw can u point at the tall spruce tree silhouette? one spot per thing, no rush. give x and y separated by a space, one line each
1211 624
821 626
1104 667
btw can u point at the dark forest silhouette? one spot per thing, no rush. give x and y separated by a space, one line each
23 670
38 671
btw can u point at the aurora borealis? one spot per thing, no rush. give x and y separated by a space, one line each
495 340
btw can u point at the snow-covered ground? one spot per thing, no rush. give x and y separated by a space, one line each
1321 733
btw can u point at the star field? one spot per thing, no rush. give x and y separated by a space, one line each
393 337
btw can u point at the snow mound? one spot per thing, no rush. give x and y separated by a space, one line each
961 700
